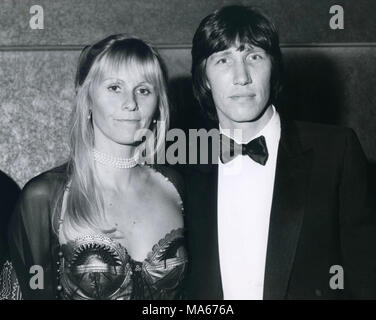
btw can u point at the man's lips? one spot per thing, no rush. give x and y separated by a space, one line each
242 95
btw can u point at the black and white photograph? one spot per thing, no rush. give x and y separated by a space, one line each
190 151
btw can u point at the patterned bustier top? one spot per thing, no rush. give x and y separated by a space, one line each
95 266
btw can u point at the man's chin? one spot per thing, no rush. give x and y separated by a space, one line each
245 118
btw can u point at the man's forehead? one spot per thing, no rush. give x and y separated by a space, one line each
240 48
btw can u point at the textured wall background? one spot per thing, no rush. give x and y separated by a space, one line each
330 74
76 22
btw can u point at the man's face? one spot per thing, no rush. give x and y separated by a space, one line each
240 83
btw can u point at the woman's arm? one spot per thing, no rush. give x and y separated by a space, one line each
31 239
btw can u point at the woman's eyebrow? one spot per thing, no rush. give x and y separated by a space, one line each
144 83
113 79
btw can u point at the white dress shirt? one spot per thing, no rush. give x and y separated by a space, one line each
245 192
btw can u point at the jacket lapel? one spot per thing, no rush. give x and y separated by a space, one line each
292 173
203 233
213 222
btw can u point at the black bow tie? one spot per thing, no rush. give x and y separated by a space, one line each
255 149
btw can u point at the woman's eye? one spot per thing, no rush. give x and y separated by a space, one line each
143 91
114 88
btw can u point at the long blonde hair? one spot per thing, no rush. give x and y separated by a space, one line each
84 202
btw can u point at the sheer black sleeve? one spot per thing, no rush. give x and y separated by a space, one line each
33 245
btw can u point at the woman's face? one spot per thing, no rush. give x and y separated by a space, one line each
123 102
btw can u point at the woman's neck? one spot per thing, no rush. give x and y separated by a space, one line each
115 178
115 164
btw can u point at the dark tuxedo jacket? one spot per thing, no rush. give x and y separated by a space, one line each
321 216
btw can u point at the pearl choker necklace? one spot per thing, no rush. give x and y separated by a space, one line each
114 162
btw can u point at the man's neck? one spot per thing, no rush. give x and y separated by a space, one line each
249 129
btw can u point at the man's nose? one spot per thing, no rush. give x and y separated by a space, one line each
242 75
129 103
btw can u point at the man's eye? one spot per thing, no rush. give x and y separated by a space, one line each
143 91
114 88
255 56
222 61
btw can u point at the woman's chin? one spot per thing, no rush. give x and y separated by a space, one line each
126 141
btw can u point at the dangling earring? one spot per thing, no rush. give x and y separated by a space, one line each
154 121
89 115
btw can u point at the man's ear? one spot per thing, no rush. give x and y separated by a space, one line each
207 84
205 80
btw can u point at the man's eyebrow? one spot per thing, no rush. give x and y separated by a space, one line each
221 53
249 49
246 47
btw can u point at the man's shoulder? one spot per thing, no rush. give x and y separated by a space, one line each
318 134
319 129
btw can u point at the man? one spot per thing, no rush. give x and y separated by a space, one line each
289 218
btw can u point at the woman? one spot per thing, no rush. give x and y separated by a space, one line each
104 226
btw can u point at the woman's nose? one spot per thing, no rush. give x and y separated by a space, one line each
129 103
242 75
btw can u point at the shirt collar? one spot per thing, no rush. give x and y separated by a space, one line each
270 131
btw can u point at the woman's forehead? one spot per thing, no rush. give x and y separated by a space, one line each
125 70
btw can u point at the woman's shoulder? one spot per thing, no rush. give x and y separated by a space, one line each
45 185
32 215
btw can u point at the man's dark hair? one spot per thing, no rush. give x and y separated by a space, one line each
223 29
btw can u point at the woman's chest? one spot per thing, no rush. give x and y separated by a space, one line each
140 221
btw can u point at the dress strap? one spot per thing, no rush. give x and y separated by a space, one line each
63 207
